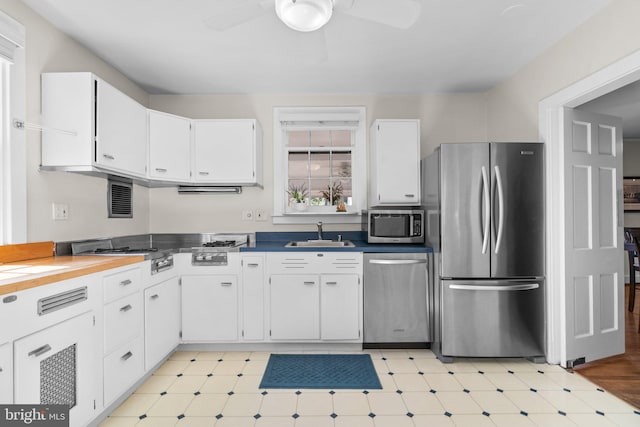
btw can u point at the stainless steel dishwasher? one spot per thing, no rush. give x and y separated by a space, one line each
396 300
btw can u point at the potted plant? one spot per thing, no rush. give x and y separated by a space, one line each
297 196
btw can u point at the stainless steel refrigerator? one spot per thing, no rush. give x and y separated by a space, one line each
484 208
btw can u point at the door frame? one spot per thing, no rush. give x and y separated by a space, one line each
550 127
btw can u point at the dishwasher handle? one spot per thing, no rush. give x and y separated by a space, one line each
397 261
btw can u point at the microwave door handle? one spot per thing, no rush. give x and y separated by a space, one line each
410 225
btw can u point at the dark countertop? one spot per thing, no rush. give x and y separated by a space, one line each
275 242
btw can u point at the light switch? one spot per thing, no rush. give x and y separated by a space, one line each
60 211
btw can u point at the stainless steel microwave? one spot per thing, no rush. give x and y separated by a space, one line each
394 225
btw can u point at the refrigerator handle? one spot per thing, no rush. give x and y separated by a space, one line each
485 210
500 208
518 287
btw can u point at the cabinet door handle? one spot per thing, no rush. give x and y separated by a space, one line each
309 283
108 156
40 350
155 296
252 265
226 283
331 283
163 170
203 173
126 356
126 308
0 368
409 195
125 282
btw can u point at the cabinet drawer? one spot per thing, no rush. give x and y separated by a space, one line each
123 283
122 321
122 368
314 262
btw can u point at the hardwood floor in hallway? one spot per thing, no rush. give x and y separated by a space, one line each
620 375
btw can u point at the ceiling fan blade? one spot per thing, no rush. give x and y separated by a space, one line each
400 14
231 13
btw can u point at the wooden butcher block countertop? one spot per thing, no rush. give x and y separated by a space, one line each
29 265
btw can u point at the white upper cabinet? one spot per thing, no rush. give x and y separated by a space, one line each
121 141
89 124
169 147
228 152
394 165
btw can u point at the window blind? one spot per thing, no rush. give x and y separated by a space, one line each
12 36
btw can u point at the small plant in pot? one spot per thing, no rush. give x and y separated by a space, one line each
298 196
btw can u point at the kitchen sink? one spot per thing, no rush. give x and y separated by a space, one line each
320 244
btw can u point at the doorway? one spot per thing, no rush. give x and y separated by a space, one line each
551 115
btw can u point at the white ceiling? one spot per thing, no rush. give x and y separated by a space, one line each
170 46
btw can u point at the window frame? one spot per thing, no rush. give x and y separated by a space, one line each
314 116
13 155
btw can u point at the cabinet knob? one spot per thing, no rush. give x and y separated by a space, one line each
332 283
203 173
125 282
309 283
155 296
409 195
126 308
126 356
108 156
161 170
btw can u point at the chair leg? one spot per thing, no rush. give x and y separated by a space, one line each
632 295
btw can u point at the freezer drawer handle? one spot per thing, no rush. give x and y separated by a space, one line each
518 287
40 350
397 261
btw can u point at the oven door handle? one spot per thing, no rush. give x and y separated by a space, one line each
397 261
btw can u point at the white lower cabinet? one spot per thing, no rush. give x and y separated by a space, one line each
253 297
295 308
123 354
315 296
210 308
122 368
58 364
161 321
339 307
6 374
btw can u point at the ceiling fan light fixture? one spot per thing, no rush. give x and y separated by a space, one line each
304 15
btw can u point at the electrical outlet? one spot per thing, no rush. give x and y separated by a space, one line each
60 211
261 215
247 215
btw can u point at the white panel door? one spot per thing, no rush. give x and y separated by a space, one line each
594 244
340 307
295 307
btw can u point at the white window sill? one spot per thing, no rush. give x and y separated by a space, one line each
311 217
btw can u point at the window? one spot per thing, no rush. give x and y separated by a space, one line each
13 227
319 162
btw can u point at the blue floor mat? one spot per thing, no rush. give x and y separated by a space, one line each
325 371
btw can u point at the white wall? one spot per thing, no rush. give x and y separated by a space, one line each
444 118
48 49
606 37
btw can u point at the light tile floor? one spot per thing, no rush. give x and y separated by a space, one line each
218 389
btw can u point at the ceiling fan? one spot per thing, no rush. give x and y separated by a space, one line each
311 15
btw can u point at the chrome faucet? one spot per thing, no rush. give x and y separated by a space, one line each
319 224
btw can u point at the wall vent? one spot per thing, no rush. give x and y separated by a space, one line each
62 300
120 198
